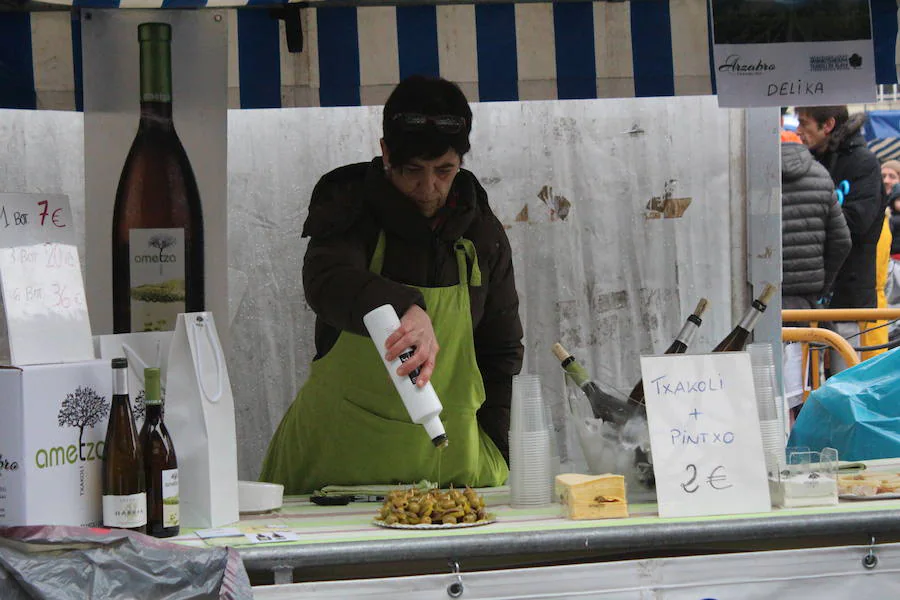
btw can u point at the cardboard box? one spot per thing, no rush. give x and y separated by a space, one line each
52 427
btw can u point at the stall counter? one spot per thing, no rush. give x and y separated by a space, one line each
334 538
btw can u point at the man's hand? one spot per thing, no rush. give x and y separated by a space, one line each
415 331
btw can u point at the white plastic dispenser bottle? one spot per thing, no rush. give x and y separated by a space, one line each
421 403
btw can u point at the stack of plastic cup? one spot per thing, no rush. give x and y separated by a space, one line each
770 418
529 444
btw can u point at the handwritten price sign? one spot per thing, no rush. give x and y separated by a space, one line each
704 435
40 277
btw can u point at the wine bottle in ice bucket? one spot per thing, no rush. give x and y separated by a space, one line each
740 335
157 238
679 346
607 404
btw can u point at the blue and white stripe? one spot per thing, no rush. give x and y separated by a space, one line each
885 148
355 55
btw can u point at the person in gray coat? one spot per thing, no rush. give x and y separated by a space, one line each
814 234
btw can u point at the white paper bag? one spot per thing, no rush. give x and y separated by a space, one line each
200 418
144 349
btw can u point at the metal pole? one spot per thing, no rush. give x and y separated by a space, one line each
764 221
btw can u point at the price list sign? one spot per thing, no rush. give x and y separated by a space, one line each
46 316
704 434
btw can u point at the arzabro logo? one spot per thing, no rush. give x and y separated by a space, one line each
82 408
733 64
8 465
161 242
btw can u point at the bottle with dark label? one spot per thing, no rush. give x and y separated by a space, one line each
606 403
157 238
160 464
124 487
679 346
740 335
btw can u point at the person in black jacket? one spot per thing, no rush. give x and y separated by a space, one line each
834 138
893 287
413 229
815 236
894 207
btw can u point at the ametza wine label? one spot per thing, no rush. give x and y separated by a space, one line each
170 498
157 264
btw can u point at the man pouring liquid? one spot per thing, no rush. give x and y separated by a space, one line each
414 230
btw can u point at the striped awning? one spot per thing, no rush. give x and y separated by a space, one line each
885 148
354 55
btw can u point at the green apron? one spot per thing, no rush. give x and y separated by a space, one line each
348 425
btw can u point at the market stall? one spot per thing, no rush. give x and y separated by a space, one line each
620 54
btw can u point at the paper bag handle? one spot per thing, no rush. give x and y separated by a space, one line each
199 323
137 364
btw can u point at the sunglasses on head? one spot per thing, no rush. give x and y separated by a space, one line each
417 122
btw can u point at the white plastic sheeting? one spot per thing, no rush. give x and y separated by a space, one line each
812 574
593 269
596 268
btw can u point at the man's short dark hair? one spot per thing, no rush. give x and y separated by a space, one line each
430 96
820 114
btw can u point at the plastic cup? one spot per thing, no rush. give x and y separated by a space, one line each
530 468
761 354
773 439
528 412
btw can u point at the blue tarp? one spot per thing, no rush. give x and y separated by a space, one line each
882 133
882 124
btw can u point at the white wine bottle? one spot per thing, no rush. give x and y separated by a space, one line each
124 487
160 463
679 346
157 238
606 403
740 335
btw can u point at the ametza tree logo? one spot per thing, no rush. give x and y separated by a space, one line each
82 408
162 242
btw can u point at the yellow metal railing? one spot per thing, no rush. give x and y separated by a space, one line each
813 333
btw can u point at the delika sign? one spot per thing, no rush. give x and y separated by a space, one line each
84 408
793 53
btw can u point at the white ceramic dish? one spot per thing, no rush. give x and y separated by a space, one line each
257 497
888 496
431 526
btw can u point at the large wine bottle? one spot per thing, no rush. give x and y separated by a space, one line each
606 403
157 238
740 335
124 488
160 464
679 346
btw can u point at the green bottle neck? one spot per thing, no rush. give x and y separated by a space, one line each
156 73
